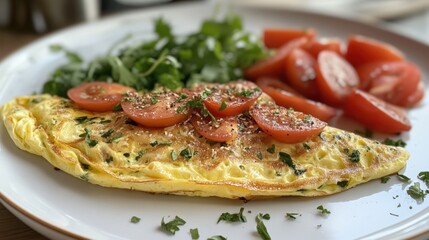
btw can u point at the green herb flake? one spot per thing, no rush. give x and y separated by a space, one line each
395 215
272 149
385 179
292 216
153 100
172 226
126 154
186 153
396 143
323 210
108 159
307 119
173 155
117 108
233 217
194 233
403 178
424 176
286 158
217 237
81 119
261 229
306 146
135 219
343 184
139 155
355 156
107 133
416 192
222 106
116 137
259 155
265 216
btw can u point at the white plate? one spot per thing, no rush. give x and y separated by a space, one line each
57 204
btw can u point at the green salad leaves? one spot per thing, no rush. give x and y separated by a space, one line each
217 52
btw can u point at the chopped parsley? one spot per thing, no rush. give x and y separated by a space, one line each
172 226
81 119
307 119
186 153
135 219
286 158
173 155
116 137
385 179
153 100
232 217
259 155
424 176
117 107
126 154
306 146
323 210
107 133
109 159
343 183
261 229
355 156
265 216
395 215
87 135
396 143
367 133
217 237
403 178
416 192
292 216
194 233
222 105
156 143
139 155
272 149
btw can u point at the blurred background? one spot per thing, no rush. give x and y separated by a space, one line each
24 21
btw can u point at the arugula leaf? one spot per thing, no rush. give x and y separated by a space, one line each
172 226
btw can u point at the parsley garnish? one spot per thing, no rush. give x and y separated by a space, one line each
323 210
194 233
135 219
139 155
186 153
307 119
272 149
286 158
396 215
291 216
355 156
222 105
397 143
424 176
126 154
385 179
265 216
172 226
156 143
109 159
87 135
259 155
262 230
306 146
116 137
153 100
217 237
232 217
367 133
173 155
403 178
81 120
343 183
117 108
107 133
416 192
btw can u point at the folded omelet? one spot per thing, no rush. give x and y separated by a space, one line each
110 150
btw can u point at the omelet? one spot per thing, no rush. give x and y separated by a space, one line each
110 150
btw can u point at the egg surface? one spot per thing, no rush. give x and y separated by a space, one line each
110 150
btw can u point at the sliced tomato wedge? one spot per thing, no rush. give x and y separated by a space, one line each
300 72
285 125
416 97
273 82
277 37
231 99
394 82
336 78
362 50
221 130
375 114
282 96
157 109
98 96
274 66
332 44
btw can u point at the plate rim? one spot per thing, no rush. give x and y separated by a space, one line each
414 233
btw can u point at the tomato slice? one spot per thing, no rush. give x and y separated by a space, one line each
264 82
332 44
375 114
416 97
285 125
231 99
394 82
98 96
157 109
221 130
283 97
277 37
336 78
300 72
361 50
274 66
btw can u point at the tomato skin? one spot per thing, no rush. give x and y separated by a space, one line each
375 114
274 66
224 130
361 50
157 115
238 96
300 72
265 82
394 82
285 126
277 37
336 78
333 44
416 97
98 96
